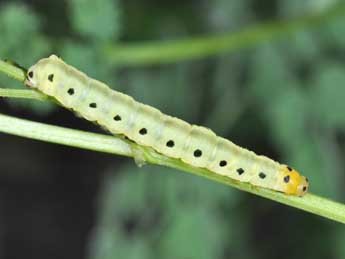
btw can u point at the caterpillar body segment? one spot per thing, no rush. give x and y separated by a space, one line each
145 125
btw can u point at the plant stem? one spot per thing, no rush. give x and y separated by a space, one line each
21 93
12 71
64 136
115 145
157 52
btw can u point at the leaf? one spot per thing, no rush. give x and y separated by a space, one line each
334 33
296 7
227 100
194 234
154 209
268 73
303 48
97 20
224 15
328 94
288 112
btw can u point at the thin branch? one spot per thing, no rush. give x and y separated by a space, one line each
64 136
12 71
22 93
158 52
115 145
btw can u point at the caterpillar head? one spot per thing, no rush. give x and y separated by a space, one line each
40 76
293 182
32 77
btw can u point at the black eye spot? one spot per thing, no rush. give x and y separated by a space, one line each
51 77
222 163
197 153
240 171
262 175
117 118
170 143
70 91
31 74
289 168
287 178
304 188
143 131
93 105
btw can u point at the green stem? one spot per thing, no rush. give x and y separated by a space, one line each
115 145
153 52
21 93
64 136
12 71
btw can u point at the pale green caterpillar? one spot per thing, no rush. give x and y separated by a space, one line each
145 125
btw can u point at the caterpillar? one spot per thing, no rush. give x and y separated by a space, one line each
195 145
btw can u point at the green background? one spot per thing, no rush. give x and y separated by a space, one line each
284 98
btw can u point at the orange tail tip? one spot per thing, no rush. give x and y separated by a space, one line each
293 182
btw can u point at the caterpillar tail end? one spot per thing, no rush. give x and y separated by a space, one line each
302 187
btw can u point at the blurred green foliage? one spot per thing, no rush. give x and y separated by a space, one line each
22 41
164 217
283 98
96 20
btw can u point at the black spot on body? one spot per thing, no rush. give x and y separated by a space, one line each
93 105
262 175
307 180
51 77
31 74
70 91
117 118
287 178
143 131
170 143
240 171
222 163
197 153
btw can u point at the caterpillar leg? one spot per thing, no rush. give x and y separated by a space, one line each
138 154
